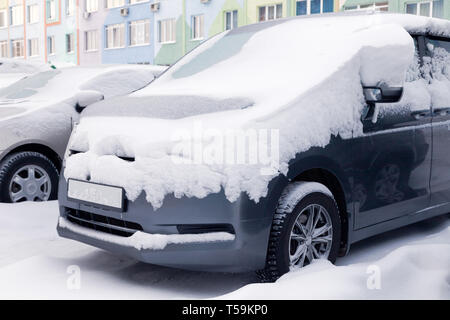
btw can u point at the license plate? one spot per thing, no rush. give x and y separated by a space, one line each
97 194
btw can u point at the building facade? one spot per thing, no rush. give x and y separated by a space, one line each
427 8
87 32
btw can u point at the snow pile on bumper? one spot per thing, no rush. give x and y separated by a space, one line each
146 241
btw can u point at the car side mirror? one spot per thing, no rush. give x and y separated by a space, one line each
380 94
87 97
383 94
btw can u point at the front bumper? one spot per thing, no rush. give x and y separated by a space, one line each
160 242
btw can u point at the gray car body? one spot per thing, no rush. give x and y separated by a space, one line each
27 124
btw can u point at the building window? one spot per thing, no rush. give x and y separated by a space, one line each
167 31
33 13
197 27
70 7
51 45
231 19
3 49
51 9
139 32
374 6
17 48
70 41
115 36
305 7
91 40
91 5
16 15
114 3
137 1
3 19
271 12
33 47
427 8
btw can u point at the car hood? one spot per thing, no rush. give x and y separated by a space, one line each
6 112
164 107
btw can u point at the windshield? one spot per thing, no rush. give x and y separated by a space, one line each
164 107
28 86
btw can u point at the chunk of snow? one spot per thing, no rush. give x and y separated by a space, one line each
296 191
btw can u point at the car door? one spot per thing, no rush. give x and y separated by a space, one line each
393 157
437 63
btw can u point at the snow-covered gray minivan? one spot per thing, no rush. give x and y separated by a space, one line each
269 146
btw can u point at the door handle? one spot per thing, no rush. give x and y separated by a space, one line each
441 111
420 114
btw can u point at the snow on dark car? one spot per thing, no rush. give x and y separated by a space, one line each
269 146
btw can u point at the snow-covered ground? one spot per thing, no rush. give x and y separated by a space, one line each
412 262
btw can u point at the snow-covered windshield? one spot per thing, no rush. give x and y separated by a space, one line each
28 86
164 107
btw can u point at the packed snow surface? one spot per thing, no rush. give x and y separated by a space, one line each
413 262
304 88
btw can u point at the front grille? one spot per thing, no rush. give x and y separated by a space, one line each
101 223
204 228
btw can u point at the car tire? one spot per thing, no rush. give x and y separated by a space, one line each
36 175
281 245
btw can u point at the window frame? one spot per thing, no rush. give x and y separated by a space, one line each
13 48
51 45
30 47
5 12
418 5
29 15
89 8
5 44
374 6
194 36
123 38
86 40
18 6
135 23
173 33
120 4
70 43
233 20
266 14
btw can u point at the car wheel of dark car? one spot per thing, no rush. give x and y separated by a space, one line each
311 231
28 176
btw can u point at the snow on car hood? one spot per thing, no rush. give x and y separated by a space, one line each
303 77
51 87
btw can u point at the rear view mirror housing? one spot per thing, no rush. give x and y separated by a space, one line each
383 94
87 97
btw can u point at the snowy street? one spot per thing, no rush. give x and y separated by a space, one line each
413 262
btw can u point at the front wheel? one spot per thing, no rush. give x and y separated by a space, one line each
311 230
28 176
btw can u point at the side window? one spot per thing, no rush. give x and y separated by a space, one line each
437 58
437 71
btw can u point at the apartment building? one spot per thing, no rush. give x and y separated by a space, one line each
427 8
21 29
